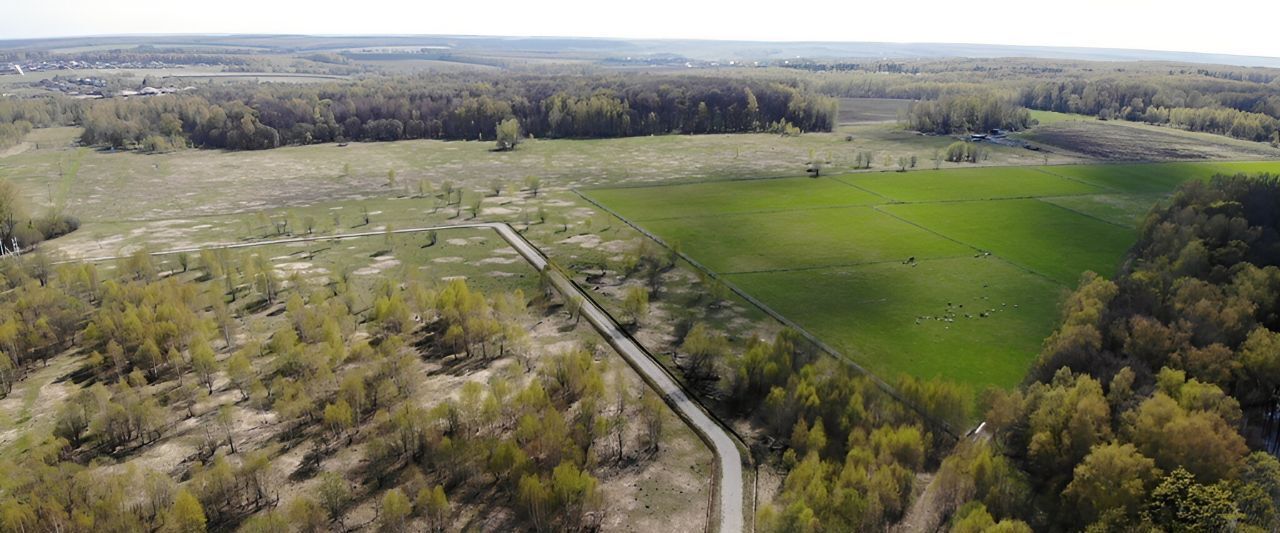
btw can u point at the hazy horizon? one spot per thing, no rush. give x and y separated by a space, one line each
1233 27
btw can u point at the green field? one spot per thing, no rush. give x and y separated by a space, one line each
1040 237
788 240
995 251
894 318
1053 117
713 198
968 184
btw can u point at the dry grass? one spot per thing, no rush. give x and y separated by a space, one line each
1119 141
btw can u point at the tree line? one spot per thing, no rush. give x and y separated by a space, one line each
966 113
1152 406
450 106
1239 102
1238 109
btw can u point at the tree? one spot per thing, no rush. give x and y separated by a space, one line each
574 492
75 416
338 417
1181 504
240 372
434 505
535 501
8 374
393 515
651 408
635 304
533 183
186 516
307 515
703 347
975 518
203 363
573 306
334 493
1200 442
1113 477
226 421
1067 417
617 423
508 133
267 522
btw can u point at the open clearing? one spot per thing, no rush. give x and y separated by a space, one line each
1127 141
952 273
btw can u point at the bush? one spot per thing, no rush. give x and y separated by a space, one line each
965 152
56 225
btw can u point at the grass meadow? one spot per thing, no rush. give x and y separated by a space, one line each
1006 243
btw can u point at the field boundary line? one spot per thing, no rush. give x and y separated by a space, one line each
852 172
855 206
1046 199
838 265
1011 263
863 189
694 181
813 339
758 212
1078 180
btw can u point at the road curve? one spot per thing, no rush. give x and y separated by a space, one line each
729 482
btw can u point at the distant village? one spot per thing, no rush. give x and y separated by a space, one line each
45 65
90 86
94 87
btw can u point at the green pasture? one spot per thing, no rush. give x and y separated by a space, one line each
893 318
801 239
967 184
1043 238
1152 177
1007 241
713 198
1126 210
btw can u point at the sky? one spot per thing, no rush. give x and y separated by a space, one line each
1246 27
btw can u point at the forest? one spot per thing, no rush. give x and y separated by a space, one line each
456 107
1239 102
160 351
966 113
1152 405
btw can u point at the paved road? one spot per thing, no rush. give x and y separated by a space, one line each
729 482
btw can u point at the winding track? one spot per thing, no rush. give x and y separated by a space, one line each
729 482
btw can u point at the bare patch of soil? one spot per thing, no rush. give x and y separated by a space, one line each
1132 142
